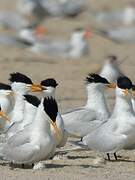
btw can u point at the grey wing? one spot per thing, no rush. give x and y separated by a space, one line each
81 121
54 47
20 137
21 154
105 140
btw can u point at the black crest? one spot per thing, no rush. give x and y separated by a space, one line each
51 107
95 78
124 83
80 29
32 100
18 77
112 58
5 86
49 82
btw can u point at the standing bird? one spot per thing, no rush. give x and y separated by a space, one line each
48 90
37 143
21 85
111 70
81 121
5 103
119 131
76 47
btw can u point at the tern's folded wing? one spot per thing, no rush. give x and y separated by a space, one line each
25 153
81 121
19 138
104 140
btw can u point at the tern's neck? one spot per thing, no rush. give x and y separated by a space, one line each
123 106
29 113
18 110
96 99
40 122
79 46
5 104
48 94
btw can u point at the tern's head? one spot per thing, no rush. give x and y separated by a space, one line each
49 85
124 85
21 83
5 90
80 34
32 100
98 81
112 59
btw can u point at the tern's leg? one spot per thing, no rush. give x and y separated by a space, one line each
108 155
115 155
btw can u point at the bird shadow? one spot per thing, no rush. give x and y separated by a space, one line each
47 166
79 157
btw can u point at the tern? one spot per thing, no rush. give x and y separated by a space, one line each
5 103
124 16
21 85
77 46
118 132
81 121
37 10
48 90
111 70
37 143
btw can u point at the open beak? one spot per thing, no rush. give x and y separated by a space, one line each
36 88
126 92
2 114
87 34
57 131
111 85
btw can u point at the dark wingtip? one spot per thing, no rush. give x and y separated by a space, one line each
5 86
50 107
95 78
32 100
124 82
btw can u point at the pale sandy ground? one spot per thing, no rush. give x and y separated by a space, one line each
71 92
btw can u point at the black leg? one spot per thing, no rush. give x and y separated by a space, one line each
108 155
23 166
115 155
32 165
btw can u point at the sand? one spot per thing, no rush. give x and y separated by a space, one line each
70 75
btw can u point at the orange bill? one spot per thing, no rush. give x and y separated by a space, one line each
111 85
126 92
36 88
4 116
57 131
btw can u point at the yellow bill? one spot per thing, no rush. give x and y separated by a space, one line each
126 92
111 85
4 116
36 88
57 131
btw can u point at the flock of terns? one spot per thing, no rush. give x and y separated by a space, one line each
27 28
34 128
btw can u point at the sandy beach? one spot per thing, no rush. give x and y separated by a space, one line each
71 93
